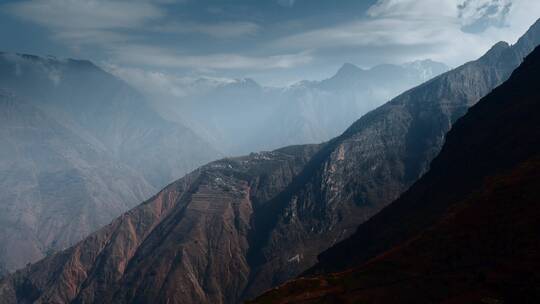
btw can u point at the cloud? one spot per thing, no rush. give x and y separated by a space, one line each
150 82
75 15
477 16
216 30
447 30
165 58
156 33
286 3
78 22
165 84
412 9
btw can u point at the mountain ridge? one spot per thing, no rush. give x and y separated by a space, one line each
452 237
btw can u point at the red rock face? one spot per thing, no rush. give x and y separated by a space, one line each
465 232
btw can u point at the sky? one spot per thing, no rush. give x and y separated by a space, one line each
275 42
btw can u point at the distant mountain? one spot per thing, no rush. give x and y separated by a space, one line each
236 227
79 147
102 107
381 76
318 111
56 187
241 116
465 232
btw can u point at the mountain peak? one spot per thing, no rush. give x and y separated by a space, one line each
495 51
501 45
425 63
244 83
349 69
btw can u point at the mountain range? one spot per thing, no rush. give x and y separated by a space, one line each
83 146
236 227
240 116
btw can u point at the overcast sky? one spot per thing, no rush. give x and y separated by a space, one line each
275 42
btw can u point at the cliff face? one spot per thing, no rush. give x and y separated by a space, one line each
236 227
464 232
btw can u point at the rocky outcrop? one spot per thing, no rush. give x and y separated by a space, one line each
239 226
465 232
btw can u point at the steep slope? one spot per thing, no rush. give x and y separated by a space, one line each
56 187
187 244
465 232
244 225
369 166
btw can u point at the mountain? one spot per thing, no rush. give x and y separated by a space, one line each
381 76
241 116
110 112
465 232
56 186
117 122
239 226
80 147
357 174
192 237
